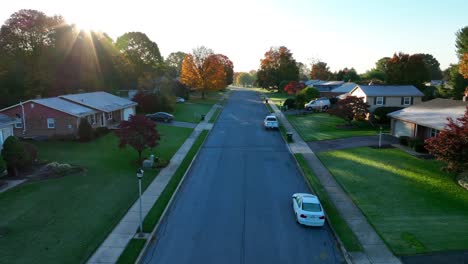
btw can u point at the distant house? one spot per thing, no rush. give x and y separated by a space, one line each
328 85
6 128
426 119
42 118
343 89
388 95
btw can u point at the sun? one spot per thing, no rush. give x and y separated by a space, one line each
86 24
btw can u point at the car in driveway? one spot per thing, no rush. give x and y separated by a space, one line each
308 210
319 104
271 121
180 100
161 116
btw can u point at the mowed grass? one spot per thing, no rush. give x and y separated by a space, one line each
413 205
322 126
64 220
350 241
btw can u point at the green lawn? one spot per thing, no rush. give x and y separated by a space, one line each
191 110
132 251
64 220
215 115
350 241
413 205
322 126
276 97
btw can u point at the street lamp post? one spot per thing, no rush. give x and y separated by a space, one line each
140 176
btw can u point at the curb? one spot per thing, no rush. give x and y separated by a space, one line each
152 235
345 253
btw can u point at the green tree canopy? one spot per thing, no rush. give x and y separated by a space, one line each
461 43
277 65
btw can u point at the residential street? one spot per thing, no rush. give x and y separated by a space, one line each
235 204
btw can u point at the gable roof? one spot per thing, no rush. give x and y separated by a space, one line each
432 113
102 101
6 120
344 88
331 83
389 90
65 106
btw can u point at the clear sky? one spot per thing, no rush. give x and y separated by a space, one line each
341 33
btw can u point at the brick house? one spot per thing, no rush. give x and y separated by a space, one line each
388 95
43 118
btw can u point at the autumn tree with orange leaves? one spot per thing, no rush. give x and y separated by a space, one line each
203 70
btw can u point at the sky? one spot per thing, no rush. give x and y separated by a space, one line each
353 33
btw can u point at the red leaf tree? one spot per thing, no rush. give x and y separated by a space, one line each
294 87
451 145
138 132
350 108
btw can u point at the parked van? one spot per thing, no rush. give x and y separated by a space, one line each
319 104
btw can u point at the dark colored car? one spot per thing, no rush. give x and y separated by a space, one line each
161 116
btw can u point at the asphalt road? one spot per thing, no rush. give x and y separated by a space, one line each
235 204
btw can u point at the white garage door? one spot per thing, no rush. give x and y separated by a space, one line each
127 112
4 134
403 129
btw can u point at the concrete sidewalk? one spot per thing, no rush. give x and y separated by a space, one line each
115 243
375 251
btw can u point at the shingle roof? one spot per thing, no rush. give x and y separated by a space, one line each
65 106
100 100
344 88
432 113
6 120
332 83
390 90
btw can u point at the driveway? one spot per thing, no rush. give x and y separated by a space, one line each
179 124
235 204
351 142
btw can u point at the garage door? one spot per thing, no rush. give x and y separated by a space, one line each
403 128
127 113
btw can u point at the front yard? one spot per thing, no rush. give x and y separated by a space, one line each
414 206
322 126
64 220
191 110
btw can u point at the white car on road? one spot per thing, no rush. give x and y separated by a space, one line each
270 121
308 210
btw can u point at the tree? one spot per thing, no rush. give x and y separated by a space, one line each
433 66
407 69
451 145
303 71
277 65
463 66
373 74
228 68
139 133
347 75
85 131
461 43
320 71
245 79
174 63
457 81
294 87
381 64
141 51
203 70
350 108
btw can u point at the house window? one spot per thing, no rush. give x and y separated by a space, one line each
92 119
50 123
379 100
19 124
110 115
434 132
406 100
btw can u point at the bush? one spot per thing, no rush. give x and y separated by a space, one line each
85 131
32 154
380 113
404 140
2 166
305 95
411 142
419 146
15 155
150 102
290 103
101 131
282 85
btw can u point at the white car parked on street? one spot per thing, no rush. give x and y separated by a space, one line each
270 121
308 210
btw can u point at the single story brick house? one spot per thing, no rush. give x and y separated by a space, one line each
388 95
426 119
6 128
47 117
